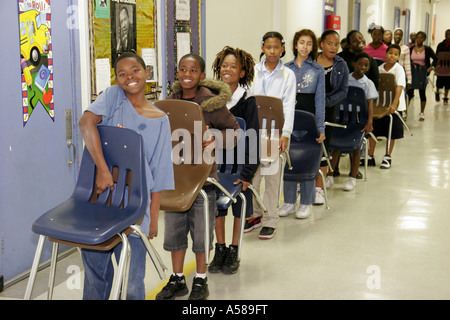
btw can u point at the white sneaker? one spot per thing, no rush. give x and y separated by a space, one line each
350 185
320 196
329 182
421 116
303 211
286 209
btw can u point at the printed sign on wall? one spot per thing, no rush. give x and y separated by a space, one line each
36 56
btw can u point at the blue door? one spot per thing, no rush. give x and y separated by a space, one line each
38 167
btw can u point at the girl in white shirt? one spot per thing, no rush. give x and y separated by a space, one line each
272 78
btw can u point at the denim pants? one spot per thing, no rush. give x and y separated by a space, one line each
99 271
307 191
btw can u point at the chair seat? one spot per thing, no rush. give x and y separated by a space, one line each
82 222
347 139
227 181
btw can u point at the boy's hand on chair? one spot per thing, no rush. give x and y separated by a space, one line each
104 180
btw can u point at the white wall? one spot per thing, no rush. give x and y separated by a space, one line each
236 23
242 23
442 24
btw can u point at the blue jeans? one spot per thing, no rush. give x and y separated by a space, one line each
307 191
99 271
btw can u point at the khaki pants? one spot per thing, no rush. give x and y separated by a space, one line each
271 194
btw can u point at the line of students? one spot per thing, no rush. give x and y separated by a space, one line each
311 81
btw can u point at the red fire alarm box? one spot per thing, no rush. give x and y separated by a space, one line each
333 22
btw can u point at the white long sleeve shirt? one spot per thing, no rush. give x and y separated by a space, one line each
279 83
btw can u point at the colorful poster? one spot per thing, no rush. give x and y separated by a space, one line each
36 59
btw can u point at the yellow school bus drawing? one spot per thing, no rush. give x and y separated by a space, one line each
34 36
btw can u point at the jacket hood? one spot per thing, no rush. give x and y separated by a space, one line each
212 94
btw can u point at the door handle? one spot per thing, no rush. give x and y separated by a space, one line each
69 140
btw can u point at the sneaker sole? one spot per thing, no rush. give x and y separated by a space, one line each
256 226
178 294
268 237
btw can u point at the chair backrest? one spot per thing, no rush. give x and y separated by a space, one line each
353 109
123 150
271 121
231 161
386 93
190 168
443 67
304 151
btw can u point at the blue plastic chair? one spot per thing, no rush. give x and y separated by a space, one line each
304 152
88 221
353 113
228 172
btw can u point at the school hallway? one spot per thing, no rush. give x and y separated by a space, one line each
387 239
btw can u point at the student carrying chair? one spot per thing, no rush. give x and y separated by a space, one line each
88 222
304 151
228 173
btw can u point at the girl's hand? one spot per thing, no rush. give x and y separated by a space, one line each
321 138
368 127
245 184
283 144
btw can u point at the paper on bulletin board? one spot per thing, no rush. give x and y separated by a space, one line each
102 9
149 56
103 72
183 44
183 9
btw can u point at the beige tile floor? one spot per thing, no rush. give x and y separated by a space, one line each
388 239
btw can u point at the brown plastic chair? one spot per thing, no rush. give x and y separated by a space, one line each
443 67
191 169
386 93
271 121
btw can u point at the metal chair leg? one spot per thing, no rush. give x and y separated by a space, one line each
126 274
117 284
242 226
391 119
324 189
206 211
366 156
34 267
154 256
257 198
51 277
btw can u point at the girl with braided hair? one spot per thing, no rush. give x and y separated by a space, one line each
236 68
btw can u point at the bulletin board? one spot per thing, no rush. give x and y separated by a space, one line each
118 26
183 32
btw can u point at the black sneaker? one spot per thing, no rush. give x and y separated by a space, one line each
231 264
252 223
220 255
371 161
176 287
266 233
199 289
